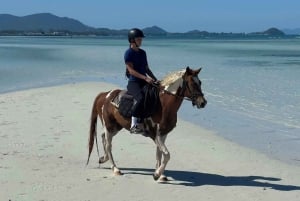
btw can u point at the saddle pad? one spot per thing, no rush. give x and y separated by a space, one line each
124 103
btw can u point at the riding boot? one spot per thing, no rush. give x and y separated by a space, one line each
136 127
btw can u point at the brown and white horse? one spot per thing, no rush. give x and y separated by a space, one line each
176 87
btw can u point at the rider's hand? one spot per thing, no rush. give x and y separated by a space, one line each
149 80
156 82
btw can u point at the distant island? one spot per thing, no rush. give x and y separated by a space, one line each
47 24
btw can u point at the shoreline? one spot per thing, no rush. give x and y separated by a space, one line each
44 133
268 147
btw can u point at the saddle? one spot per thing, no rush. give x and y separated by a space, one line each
126 102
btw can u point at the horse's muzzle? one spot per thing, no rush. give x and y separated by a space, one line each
200 102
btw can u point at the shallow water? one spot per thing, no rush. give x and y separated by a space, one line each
252 86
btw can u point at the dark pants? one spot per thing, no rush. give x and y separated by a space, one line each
136 90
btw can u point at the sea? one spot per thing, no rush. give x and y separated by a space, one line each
252 86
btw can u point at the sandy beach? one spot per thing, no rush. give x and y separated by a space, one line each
43 151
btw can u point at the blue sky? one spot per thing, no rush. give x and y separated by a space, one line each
171 15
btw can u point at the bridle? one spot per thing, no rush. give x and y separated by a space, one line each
193 97
185 86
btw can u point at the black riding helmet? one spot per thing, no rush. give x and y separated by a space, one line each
135 33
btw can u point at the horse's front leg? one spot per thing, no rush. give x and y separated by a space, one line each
160 143
158 157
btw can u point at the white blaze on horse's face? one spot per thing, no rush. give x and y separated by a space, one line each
197 81
199 99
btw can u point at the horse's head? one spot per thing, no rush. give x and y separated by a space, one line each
191 87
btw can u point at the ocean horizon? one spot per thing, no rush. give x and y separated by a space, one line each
251 85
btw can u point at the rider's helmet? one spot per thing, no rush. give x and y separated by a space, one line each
135 33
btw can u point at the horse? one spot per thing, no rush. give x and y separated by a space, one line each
174 88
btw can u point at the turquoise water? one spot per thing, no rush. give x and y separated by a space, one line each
252 86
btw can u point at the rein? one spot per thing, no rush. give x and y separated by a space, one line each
182 97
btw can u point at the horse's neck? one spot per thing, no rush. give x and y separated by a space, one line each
171 102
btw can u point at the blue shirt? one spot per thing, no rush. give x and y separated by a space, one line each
139 61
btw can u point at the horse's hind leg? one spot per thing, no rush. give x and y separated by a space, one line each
104 158
107 144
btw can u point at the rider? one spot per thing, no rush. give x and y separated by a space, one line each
139 74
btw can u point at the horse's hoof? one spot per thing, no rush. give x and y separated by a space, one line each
101 160
163 178
118 173
155 176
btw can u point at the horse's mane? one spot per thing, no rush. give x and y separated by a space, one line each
172 81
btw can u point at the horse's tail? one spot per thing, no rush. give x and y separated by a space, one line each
93 128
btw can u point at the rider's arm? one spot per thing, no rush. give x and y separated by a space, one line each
133 72
149 72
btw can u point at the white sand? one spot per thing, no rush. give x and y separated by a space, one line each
43 150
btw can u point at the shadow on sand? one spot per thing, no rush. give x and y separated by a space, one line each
188 178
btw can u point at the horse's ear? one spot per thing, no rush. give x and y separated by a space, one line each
198 70
188 70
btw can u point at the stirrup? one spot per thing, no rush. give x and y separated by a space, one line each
136 130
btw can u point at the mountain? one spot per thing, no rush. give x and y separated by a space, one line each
197 32
273 32
270 32
154 30
49 24
292 31
41 22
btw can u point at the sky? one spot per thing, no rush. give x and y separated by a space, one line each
171 15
